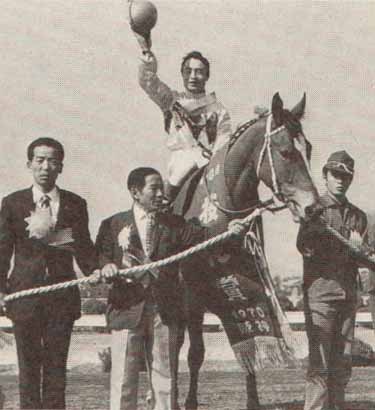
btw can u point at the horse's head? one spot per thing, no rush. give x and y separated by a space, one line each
283 162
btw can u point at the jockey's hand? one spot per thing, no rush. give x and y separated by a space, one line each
144 41
2 302
237 227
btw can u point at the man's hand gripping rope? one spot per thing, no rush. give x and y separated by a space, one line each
236 227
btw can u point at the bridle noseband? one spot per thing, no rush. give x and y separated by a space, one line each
267 150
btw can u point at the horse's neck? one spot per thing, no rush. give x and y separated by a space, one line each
230 180
241 163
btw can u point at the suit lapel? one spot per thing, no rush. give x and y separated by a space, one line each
29 200
64 210
26 206
135 241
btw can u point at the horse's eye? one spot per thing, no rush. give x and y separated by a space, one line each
287 154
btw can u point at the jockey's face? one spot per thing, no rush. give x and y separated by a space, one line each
150 197
195 76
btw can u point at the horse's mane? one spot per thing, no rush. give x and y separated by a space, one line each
285 118
240 130
237 152
288 119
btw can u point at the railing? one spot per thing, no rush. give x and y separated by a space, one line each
296 319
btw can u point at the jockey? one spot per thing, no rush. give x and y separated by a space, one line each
196 123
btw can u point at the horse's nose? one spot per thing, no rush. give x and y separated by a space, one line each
313 211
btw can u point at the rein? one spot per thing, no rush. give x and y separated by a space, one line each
181 111
267 148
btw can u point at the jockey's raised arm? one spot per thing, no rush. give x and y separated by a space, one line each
165 97
157 90
197 125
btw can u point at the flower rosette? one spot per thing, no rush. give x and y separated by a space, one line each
39 224
123 238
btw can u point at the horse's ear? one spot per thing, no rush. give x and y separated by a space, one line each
277 109
299 109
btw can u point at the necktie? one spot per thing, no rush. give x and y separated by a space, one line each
45 206
45 202
45 211
150 233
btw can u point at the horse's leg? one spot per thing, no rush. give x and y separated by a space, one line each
230 328
252 392
175 353
195 354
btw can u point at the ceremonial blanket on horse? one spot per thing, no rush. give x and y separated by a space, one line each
229 279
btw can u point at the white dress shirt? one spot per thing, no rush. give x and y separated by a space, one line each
54 196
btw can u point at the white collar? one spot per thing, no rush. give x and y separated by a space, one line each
195 101
195 96
139 212
38 194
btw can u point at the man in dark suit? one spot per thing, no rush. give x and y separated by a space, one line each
43 227
143 312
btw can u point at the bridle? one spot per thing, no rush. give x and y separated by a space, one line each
266 150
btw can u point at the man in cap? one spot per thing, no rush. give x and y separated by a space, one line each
330 287
197 124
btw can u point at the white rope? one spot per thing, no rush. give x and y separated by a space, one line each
368 259
95 279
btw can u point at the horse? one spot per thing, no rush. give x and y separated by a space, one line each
272 149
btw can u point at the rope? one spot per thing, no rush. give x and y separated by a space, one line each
369 260
95 279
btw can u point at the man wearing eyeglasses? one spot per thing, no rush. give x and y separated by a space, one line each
330 287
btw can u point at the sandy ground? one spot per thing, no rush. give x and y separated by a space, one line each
86 346
221 381
88 389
